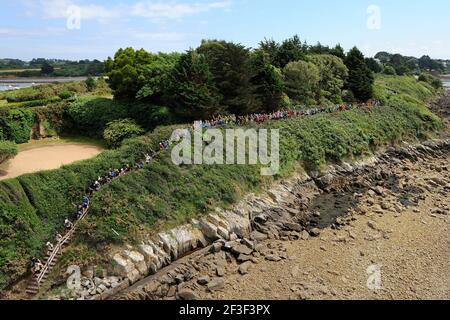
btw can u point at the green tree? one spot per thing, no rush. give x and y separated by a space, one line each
191 92
229 64
338 51
155 77
333 74
398 62
270 47
319 49
389 70
125 70
425 63
290 50
47 68
383 56
302 81
267 81
373 65
360 80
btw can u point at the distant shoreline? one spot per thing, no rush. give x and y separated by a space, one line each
20 83
41 80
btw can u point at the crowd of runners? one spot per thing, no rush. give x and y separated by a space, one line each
278 115
82 209
36 265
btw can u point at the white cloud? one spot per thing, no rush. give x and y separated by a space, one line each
59 9
175 10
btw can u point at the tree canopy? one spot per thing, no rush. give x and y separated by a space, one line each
226 77
360 79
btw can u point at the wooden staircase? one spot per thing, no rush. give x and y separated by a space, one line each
51 259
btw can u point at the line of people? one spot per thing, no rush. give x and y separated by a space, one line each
36 265
278 115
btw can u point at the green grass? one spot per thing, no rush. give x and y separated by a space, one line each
393 87
34 206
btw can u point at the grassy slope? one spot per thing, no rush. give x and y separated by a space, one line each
33 207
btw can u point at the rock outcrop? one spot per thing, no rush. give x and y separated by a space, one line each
234 234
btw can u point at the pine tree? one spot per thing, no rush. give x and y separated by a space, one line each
267 81
360 80
191 92
230 67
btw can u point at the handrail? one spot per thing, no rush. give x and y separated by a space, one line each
58 247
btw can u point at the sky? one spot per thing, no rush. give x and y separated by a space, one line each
88 29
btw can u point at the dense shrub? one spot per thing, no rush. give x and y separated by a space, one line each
16 124
91 115
119 130
8 150
431 80
50 91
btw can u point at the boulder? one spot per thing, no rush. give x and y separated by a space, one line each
121 266
204 280
258 236
138 260
304 235
209 230
244 268
314 232
187 294
216 284
220 271
241 249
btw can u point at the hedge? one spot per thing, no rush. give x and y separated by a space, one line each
8 149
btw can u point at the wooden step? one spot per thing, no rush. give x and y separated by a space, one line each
32 292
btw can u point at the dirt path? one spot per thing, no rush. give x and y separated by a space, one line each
47 157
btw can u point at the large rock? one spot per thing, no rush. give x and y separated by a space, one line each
170 244
216 284
241 249
187 294
138 260
121 266
244 268
188 238
153 262
209 230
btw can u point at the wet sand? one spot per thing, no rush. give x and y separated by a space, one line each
46 157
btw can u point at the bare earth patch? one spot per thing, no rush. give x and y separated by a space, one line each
47 157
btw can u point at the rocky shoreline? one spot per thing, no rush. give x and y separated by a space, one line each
237 239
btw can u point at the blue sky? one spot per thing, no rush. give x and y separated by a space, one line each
50 28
